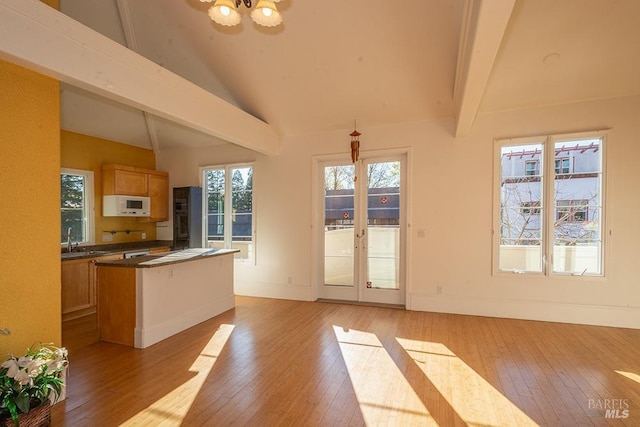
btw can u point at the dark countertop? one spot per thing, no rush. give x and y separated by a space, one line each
97 251
166 258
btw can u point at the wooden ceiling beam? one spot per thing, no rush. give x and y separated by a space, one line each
41 38
483 28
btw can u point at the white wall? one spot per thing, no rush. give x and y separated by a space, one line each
451 178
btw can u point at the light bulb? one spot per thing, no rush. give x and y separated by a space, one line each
225 11
266 14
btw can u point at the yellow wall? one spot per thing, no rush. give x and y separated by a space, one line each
30 209
90 153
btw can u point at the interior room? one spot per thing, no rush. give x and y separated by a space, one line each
424 211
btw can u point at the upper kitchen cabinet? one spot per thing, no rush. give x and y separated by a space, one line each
132 181
158 192
124 180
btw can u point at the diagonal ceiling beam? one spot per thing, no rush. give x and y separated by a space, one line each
130 36
483 27
41 38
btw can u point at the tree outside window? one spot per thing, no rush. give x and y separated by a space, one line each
230 220
76 206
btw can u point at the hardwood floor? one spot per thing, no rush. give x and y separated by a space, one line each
277 362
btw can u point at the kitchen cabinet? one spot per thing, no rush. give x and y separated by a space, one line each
79 286
159 250
124 180
133 181
158 192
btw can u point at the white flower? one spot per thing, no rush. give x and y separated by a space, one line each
55 365
12 366
31 366
61 353
23 378
36 368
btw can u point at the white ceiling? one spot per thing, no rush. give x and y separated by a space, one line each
336 61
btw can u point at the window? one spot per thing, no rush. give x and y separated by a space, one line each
552 223
530 208
532 168
571 210
562 165
229 220
76 206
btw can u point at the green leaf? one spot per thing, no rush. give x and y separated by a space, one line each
23 403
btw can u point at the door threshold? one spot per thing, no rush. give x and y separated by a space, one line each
363 303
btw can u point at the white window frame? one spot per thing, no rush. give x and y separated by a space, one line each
89 211
228 212
548 175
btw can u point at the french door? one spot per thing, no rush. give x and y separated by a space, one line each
363 230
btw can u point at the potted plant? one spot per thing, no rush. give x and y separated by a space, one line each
30 383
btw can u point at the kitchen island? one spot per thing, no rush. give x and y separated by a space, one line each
144 300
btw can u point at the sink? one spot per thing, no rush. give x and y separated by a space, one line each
87 254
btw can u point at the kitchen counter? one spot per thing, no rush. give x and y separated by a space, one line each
167 258
113 249
146 299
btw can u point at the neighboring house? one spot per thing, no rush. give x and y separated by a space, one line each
383 206
576 173
576 200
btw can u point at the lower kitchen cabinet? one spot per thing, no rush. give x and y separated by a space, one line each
79 286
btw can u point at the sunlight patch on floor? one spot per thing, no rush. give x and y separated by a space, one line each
174 406
475 400
630 375
384 394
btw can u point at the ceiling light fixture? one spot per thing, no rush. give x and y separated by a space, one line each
225 12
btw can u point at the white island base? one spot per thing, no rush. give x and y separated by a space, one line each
144 301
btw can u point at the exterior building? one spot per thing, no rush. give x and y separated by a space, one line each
576 201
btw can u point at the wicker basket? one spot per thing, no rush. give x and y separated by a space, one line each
37 417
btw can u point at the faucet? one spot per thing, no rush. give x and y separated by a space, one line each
69 244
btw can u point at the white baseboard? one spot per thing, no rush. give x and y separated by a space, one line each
273 290
621 317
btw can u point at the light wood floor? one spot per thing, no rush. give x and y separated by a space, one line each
276 362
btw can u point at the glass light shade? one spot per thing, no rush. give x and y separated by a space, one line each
224 12
266 14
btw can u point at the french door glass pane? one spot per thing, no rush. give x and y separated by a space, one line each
242 211
383 225
215 187
577 237
338 225
521 208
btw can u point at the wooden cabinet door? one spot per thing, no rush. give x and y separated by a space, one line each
159 196
77 292
130 183
79 286
159 250
125 180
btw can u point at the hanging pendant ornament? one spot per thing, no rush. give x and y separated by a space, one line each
355 144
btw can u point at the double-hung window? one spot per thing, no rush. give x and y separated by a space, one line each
549 219
229 210
76 206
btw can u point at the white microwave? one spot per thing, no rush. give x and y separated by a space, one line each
115 205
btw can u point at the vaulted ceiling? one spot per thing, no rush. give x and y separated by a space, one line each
335 61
